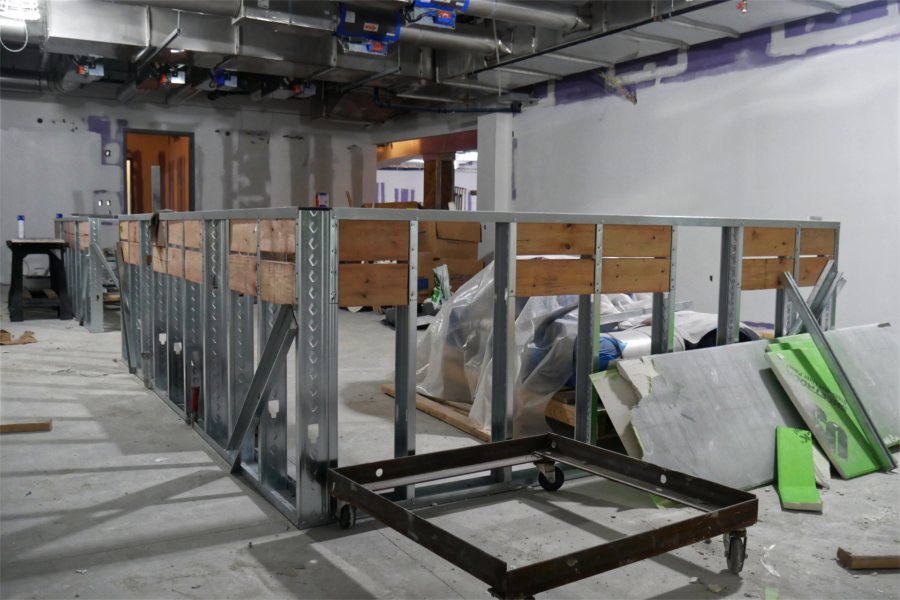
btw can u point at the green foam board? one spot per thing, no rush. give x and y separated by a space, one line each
817 397
796 475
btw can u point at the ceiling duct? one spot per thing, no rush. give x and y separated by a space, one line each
448 40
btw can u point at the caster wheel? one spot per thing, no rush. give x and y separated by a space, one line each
558 479
735 553
347 516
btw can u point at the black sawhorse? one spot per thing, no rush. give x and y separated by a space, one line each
17 302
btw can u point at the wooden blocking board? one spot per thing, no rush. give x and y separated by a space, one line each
69 232
84 235
373 240
175 233
654 241
278 236
634 275
361 284
555 238
175 261
193 266
242 274
768 273
123 230
540 277
277 281
193 234
818 242
242 236
158 259
769 241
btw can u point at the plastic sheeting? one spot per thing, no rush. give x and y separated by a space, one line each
454 356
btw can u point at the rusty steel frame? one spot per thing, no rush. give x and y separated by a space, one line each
367 487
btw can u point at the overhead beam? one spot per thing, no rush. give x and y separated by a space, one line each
438 144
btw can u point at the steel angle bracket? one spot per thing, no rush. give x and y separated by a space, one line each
725 510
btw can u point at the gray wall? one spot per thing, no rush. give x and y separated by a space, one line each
54 158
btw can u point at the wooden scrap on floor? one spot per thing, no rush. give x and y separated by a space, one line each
851 560
561 408
447 411
7 339
26 426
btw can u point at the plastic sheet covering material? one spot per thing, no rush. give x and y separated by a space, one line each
713 413
453 359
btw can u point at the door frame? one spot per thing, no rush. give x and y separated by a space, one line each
188 134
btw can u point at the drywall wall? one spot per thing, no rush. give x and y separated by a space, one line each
771 125
64 155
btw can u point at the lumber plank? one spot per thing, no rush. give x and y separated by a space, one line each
123 230
158 258
175 233
766 273
134 253
134 231
193 266
362 284
277 281
448 414
851 560
242 274
84 237
769 241
193 234
465 232
243 236
819 242
555 238
633 275
560 411
637 240
373 240
175 262
554 277
124 248
278 235
26 426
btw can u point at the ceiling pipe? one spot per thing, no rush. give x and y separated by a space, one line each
541 14
448 40
552 15
38 83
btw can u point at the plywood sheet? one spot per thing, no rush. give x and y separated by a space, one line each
243 236
175 261
175 233
242 274
193 266
768 273
193 234
278 236
769 241
712 413
637 240
817 241
633 275
816 396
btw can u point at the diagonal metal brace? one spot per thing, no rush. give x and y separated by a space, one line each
284 330
884 456
818 298
95 250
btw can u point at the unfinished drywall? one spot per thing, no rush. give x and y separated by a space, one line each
64 155
796 122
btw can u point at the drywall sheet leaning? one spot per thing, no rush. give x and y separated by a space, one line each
814 392
618 398
870 355
712 413
796 476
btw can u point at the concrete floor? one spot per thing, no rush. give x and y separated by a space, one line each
123 500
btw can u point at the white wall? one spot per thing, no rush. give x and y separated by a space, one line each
243 158
414 180
818 135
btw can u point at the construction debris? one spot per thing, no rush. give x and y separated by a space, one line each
26 425
7 339
851 560
796 474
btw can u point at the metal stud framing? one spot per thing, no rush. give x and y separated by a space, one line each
221 349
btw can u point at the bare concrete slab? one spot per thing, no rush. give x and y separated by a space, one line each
122 500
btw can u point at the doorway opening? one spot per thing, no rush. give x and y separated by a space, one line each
159 171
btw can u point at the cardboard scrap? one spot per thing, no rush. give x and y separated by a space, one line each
795 475
7 339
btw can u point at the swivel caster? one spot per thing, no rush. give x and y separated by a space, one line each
555 483
735 550
347 516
